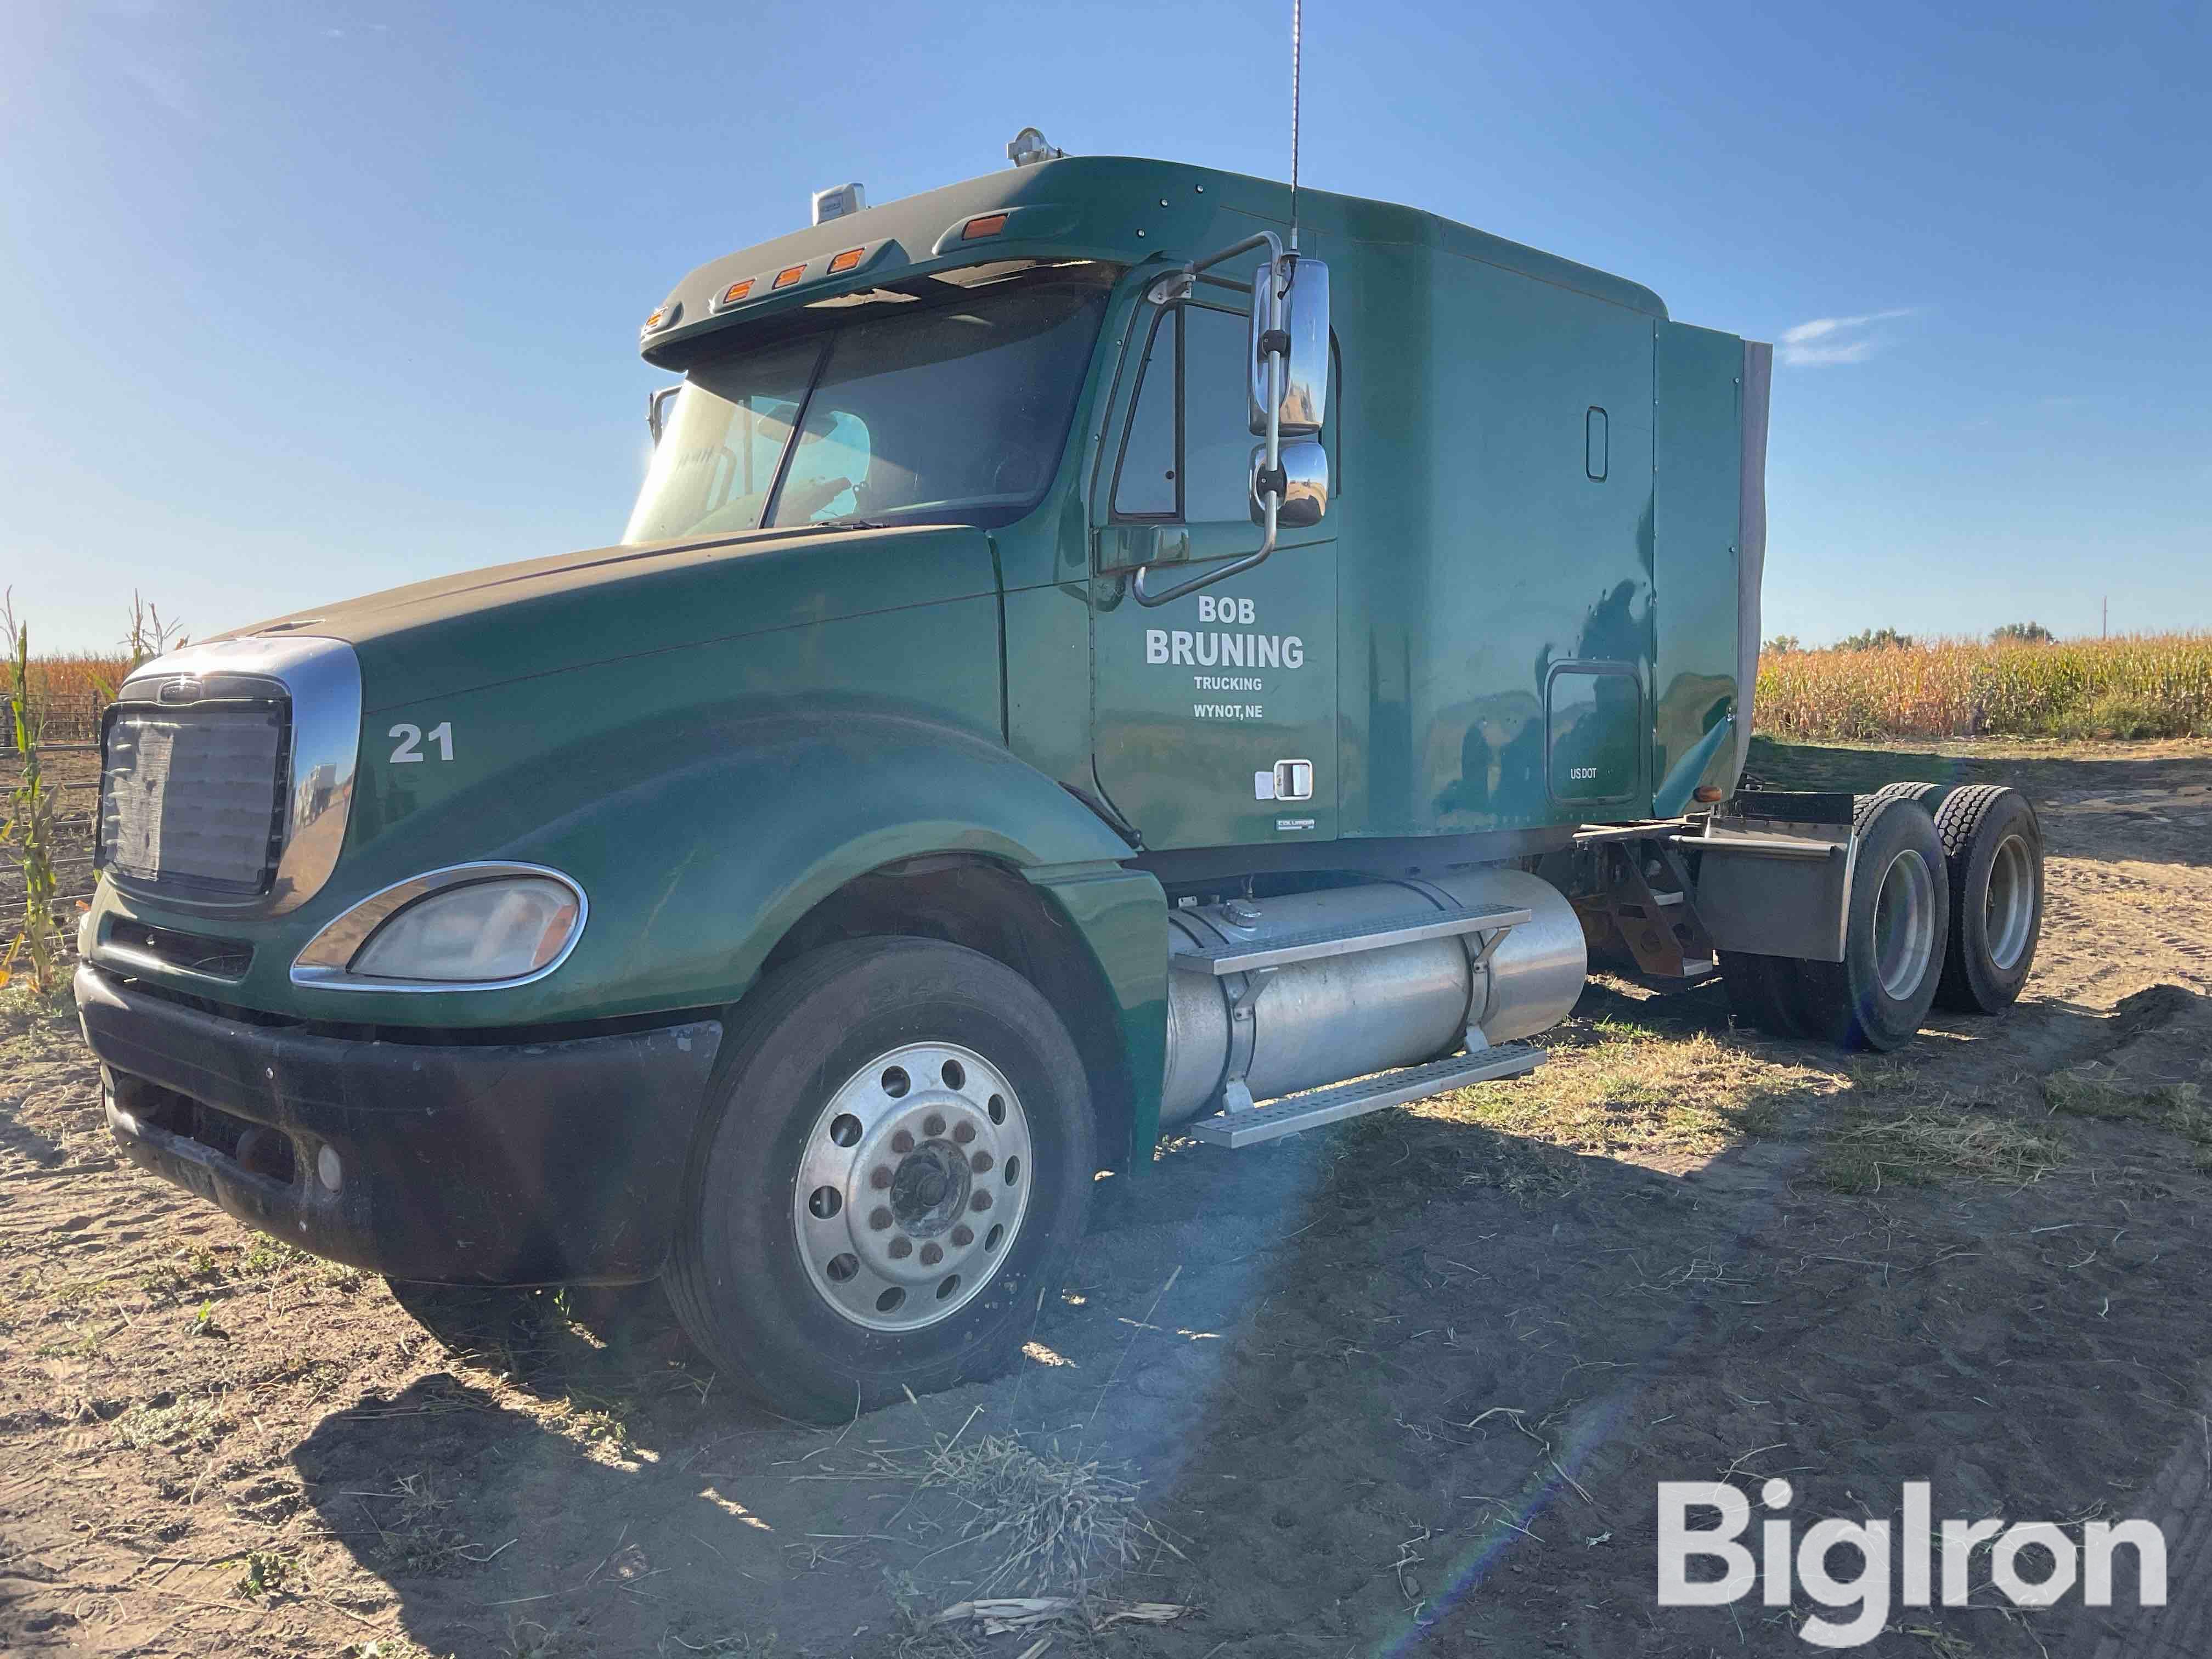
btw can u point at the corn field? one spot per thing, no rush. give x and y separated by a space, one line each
67 693
2144 685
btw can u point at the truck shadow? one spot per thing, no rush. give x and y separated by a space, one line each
501 1528
1485 1353
18 1140
1361 1372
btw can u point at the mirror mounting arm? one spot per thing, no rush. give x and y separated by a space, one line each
1278 363
655 402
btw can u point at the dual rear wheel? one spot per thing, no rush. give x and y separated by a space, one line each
1945 906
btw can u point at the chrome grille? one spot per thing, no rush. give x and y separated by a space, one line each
193 798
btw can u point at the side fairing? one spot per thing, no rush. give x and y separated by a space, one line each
1697 403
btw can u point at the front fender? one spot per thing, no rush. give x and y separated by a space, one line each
784 820
699 843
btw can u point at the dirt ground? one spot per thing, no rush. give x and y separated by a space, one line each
1405 1386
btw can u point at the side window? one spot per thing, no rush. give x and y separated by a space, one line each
1145 487
1187 452
1217 416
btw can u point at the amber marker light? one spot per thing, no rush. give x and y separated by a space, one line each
990 224
1707 793
737 291
845 260
788 276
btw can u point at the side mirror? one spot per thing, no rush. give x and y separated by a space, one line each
1289 299
1304 488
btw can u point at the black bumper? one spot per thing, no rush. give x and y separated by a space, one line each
528 1163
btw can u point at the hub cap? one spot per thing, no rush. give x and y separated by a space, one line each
1903 925
912 1187
2009 915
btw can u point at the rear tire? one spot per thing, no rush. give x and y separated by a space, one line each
1993 847
1929 795
1897 921
899 1152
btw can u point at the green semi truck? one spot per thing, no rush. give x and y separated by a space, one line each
1104 651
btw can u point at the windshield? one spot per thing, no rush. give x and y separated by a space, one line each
933 410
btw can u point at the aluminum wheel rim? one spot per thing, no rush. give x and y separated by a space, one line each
2008 912
1903 925
912 1187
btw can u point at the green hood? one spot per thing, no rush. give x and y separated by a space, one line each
484 628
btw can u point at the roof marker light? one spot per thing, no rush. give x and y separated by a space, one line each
662 317
845 260
788 276
735 292
989 224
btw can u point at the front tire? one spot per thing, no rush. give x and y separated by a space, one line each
898 1152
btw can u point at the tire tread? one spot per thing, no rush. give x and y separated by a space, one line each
1958 823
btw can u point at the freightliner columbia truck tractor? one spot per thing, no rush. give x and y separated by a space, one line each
1096 658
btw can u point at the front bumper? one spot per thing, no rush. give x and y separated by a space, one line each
486 1163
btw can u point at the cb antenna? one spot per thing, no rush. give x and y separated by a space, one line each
1298 9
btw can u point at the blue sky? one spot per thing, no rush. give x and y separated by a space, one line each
299 300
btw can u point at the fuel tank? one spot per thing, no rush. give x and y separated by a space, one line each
1335 1018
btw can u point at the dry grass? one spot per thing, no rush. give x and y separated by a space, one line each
2098 1092
1050 1521
2136 686
1936 1144
1623 1091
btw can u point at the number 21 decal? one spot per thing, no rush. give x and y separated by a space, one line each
411 739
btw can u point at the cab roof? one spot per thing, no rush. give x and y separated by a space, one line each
1124 209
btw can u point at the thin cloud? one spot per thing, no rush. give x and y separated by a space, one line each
1829 340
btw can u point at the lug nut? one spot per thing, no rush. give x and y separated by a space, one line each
932 1125
964 1131
932 1254
981 1202
964 1235
980 1163
880 1217
880 1177
902 1142
901 1248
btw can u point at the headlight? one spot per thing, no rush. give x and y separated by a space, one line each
490 930
483 925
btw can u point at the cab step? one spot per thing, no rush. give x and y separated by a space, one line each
1282 950
1293 1113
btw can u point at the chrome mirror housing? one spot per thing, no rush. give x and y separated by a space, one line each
1293 291
1303 488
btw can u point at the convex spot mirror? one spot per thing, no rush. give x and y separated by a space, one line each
1305 484
1296 291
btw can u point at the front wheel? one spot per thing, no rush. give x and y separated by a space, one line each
899 1150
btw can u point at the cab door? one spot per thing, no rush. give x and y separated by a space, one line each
1214 716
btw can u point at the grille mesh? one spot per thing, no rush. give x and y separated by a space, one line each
190 797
